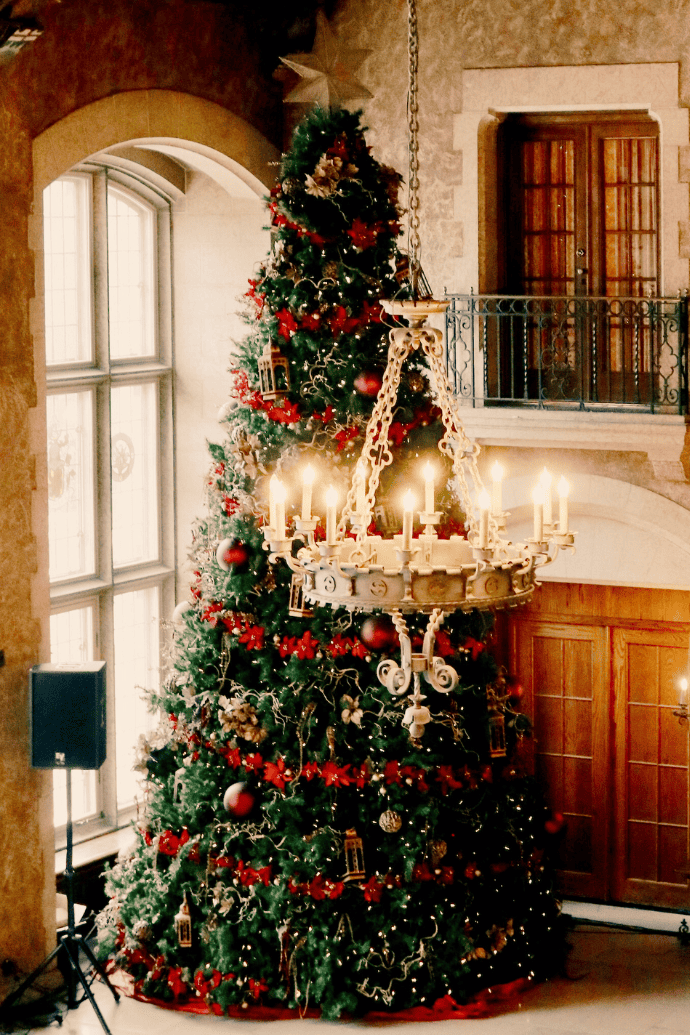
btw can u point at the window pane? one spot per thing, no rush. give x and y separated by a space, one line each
137 651
71 641
66 207
70 484
130 276
134 428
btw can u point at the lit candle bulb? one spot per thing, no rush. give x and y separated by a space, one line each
308 475
497 473
563 488
279 504
331 529
484 501
538 497
272 501
408 507
429 503
683 699
361 472
545 482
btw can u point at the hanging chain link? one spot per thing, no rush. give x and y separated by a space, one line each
413 241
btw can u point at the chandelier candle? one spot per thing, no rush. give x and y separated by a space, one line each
545 482
538 497
429 503
279 507
497 473
308 475
484 504
563 488
408 507
272 502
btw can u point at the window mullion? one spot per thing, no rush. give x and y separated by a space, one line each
100 269
108 772
108 782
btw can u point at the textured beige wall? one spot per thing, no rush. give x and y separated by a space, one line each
480 55
456 35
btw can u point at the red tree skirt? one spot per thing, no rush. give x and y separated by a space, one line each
487 1003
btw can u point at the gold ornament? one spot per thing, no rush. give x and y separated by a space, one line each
437 850
328 72
390 821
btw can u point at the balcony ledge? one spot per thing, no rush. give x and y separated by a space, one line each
660 436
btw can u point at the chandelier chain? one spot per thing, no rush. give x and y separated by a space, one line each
414 243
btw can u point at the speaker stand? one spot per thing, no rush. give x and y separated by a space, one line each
71 942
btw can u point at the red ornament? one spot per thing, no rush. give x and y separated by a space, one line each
378 633
369 383
232 553
556 823
238 800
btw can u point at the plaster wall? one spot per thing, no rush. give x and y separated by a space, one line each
217 240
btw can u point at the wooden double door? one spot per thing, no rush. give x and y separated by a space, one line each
612 757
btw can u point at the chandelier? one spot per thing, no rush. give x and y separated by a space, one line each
405 575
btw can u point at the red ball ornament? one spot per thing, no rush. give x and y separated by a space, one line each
378 633
514 688
231 553
238 800
553 825
369 382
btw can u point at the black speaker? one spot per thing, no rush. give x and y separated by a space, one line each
68 724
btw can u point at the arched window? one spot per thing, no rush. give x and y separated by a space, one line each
109 368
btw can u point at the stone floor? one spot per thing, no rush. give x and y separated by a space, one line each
622 982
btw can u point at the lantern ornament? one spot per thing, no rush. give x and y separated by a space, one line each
497 724
354 857
297 608
274 374
183 925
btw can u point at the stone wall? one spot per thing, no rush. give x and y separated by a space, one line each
455 35
91 50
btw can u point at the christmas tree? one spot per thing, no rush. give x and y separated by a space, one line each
302 845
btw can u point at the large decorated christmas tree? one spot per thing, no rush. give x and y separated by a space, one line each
305 844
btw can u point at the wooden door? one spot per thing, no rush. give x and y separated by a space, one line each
580 210
564 672
651 769
601 690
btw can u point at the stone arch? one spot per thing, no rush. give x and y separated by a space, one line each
626 535
154 115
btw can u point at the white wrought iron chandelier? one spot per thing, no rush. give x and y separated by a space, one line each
403 575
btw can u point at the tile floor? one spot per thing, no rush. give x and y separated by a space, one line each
632 983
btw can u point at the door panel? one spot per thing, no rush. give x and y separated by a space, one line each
564 674
651 769
580 218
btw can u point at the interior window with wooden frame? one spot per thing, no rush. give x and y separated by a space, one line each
578 218
108 337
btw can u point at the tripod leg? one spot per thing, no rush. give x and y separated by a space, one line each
72 951
98 966
17 994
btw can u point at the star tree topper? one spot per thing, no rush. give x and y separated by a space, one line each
328 72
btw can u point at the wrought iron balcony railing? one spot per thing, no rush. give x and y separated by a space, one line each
565 352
